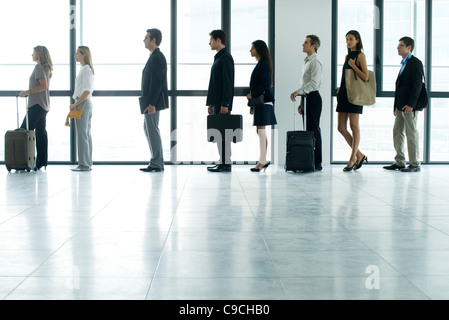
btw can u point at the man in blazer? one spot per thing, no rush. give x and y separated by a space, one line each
155 97
408 89
220 94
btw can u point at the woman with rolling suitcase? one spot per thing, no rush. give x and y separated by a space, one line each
39 102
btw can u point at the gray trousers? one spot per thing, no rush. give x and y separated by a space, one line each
151 129
405 124
83 135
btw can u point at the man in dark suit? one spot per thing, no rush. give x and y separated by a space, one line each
408 89
155 95
221 92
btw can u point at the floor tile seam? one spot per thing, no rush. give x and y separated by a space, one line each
381 256
13 289
173 217
433 227
79 229
372 250
34 205
262 235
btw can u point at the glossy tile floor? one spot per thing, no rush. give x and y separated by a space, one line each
118 233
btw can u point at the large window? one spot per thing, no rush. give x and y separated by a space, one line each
115 34
440 35
23 29
383 23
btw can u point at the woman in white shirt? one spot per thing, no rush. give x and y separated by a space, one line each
84 86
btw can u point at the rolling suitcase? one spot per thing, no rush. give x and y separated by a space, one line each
229 126
300 155
20 146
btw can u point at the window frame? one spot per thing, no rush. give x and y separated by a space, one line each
378 52
74 6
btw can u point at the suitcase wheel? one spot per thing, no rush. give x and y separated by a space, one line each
28 169
9 169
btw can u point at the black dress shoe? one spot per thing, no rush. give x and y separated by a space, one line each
347 168
365 158
151 169
264 168
212 167
411 168
221 168
394 166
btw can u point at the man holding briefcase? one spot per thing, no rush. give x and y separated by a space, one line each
221 93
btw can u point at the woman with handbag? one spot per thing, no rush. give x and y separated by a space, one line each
356 62
84 86
39 103
261 99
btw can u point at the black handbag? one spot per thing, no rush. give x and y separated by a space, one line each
423 99
257 101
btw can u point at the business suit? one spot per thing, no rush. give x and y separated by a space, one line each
154 86
221 94
408 88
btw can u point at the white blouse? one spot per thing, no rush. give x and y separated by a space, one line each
84 82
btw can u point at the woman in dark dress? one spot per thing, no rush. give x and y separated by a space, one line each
260 84
356 61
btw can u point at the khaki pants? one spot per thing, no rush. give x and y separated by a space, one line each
405 125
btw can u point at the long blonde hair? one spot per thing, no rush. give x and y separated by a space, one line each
87 56
45 59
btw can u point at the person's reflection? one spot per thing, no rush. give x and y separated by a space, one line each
85 260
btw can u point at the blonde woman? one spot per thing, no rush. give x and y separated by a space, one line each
84 86
39 103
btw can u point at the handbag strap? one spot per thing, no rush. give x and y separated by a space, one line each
84 105
355 73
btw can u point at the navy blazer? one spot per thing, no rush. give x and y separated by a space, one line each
260 82
408 84
154 80
221 83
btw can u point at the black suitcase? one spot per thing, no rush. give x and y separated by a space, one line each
20 146
229 126
300 155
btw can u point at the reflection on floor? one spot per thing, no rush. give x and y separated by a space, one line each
118 233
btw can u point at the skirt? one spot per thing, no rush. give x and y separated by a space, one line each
343 105
264 115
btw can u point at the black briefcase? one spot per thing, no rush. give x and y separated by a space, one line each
229 126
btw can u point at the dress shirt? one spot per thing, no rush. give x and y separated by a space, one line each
84 82
311 73
404 62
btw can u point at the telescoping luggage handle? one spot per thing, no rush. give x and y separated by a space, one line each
295 111
26 112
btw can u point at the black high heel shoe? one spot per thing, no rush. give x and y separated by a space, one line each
37 168
365 158
264 168
350 168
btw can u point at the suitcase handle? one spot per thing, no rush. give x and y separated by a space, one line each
295 110
26 112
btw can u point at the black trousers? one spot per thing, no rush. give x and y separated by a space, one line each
37 119
224 148
314 106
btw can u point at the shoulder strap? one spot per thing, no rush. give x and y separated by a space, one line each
84 105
